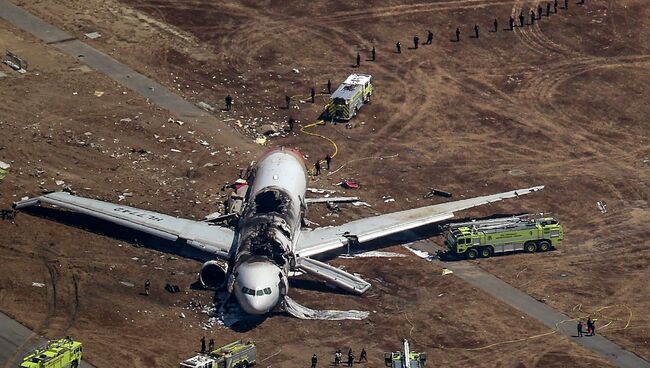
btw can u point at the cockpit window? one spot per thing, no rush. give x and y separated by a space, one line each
248 291
260 292
267 291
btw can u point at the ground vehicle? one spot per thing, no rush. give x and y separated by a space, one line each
56 354
405 359
237 354
348 98
484 238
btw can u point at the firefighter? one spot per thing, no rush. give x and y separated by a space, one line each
416 41
521 19
548 9
317 167
579 327
566 4
211 345
313 94
398 47
329 86
147 286
555 6
314 361
350 358
363 356
358 59
328 161
291 122
338 356
373 54
287 99
496 25
476 30
532 17
203 344
539 12
457 34
511 23
429 38
228 102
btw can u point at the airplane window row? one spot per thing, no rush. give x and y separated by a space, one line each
252 292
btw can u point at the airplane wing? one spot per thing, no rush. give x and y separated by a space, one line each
320 240
208 238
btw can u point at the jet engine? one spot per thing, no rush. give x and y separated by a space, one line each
213 274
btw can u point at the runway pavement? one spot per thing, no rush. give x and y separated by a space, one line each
16 341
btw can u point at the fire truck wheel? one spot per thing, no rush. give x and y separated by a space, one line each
530 247
486 252
472 253
543 246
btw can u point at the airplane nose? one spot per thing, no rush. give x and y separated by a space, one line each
258 305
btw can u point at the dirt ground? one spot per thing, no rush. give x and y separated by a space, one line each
561 103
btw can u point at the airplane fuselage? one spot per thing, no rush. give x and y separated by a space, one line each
267 230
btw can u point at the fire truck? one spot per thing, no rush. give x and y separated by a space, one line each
348 98
405 359
55 354
237 354
518 233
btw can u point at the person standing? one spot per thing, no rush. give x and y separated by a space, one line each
496 25
291 122
398 47
416 41
350 358
566 4
579 327
338 357
313 95
548 9
211 345
147 287
511 23
287 99
457 34
317 167
203 344
429 37
358 59
532 17
329 86
476 30
228 102
314 361
373 54
521 19
363 356
539 12
555 6
328 161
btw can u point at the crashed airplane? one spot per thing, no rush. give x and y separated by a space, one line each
253 261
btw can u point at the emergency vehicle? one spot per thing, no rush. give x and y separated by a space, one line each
237 354
348 98
56 354
405 359
487 237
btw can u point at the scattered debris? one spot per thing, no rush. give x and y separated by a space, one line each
331 199
99 93
172 288
4 169
361 203
7 214
206 107
333 207
446 271
127 284
260 140
516 172
175 150
438 192
175 121
350 184
374 254
646 161
321 191
182 315
420 253
93 35
602 206
15 62
388 199
295 70
38 284
59 182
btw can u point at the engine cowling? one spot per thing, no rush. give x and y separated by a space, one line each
213 274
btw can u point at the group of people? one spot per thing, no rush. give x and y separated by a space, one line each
591 327
338 358
210 345
317 165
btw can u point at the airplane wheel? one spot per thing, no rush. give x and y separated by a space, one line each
486 252
543 246
472 254
530 247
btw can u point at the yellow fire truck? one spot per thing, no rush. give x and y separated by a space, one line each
348 98
56 354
